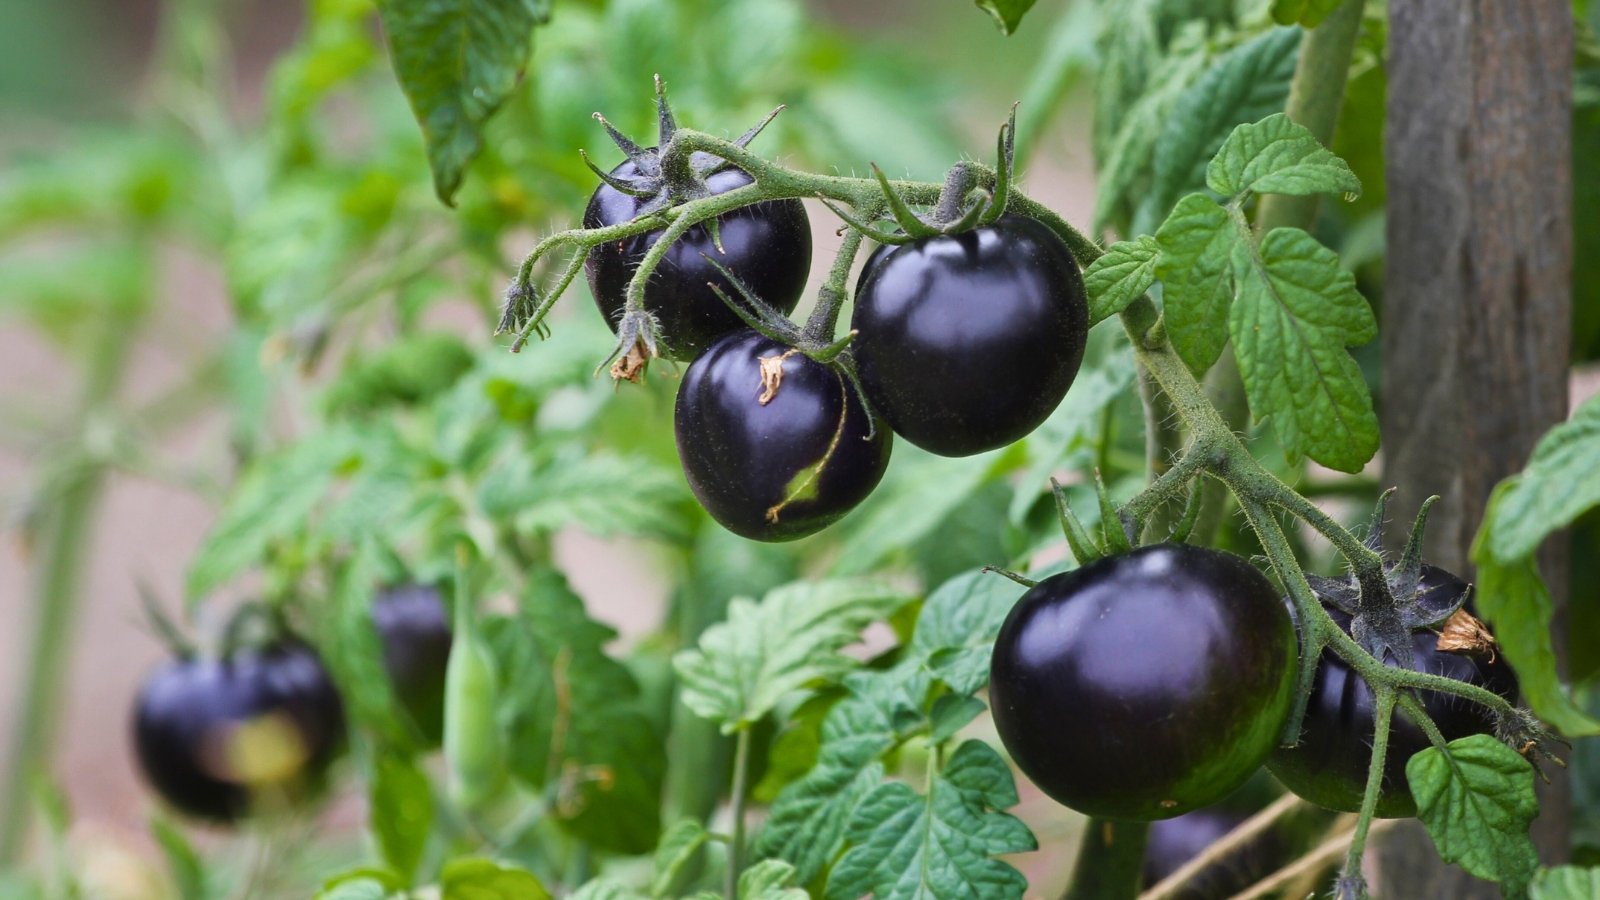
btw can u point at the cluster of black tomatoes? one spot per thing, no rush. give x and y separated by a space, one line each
256 729
1155 682
963 342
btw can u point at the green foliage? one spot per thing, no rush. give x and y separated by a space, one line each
1276 156
788 641
402 811
1007 14
484 879
1118 278
1566 883
576 729
183 862
1555 487
458 62
679 858
816 817
1514 600
939 845
1308 13
1477 802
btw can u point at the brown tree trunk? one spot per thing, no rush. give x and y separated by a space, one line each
1477 304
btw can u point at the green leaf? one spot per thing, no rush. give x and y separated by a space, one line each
606 889
941 845
770 879
361 884
605 493
485 879
950 714
1309 13
457 61
1514 600
1555 488
1566 883
1197 244
575 720
1126 166
1296 312
1120 277
272 502
957 628
361 888
188 872
679 858
808 819
402 811
1245 84
1477 804
1007 14
1277 156
788 641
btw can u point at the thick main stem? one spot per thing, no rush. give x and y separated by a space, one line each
1109 858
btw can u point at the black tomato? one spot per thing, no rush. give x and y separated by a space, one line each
767 245
221 739
967 342
1329 764
414 628
1146 684
780 469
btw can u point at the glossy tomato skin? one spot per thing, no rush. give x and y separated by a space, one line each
967 342
1329 764
220 739
781 470
1146 684
768 245
414 628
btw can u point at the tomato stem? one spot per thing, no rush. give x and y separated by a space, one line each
1351 874
1110 855
741 775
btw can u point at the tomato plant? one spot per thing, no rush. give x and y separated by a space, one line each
705 634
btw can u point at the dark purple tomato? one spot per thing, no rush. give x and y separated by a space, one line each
1173 842
414 628
767 245
221 739
782 469
967 342
1146 684
1329 764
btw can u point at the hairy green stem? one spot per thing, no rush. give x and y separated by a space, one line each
1315 98
1109 857
741 774
824 319
1382 718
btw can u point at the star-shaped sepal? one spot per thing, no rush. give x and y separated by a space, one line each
1385 611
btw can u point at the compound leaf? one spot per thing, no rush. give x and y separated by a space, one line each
679 858
770 879
941 845
789 640
807 823
1295 313
956 630
457 61
1277 156
1477 803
